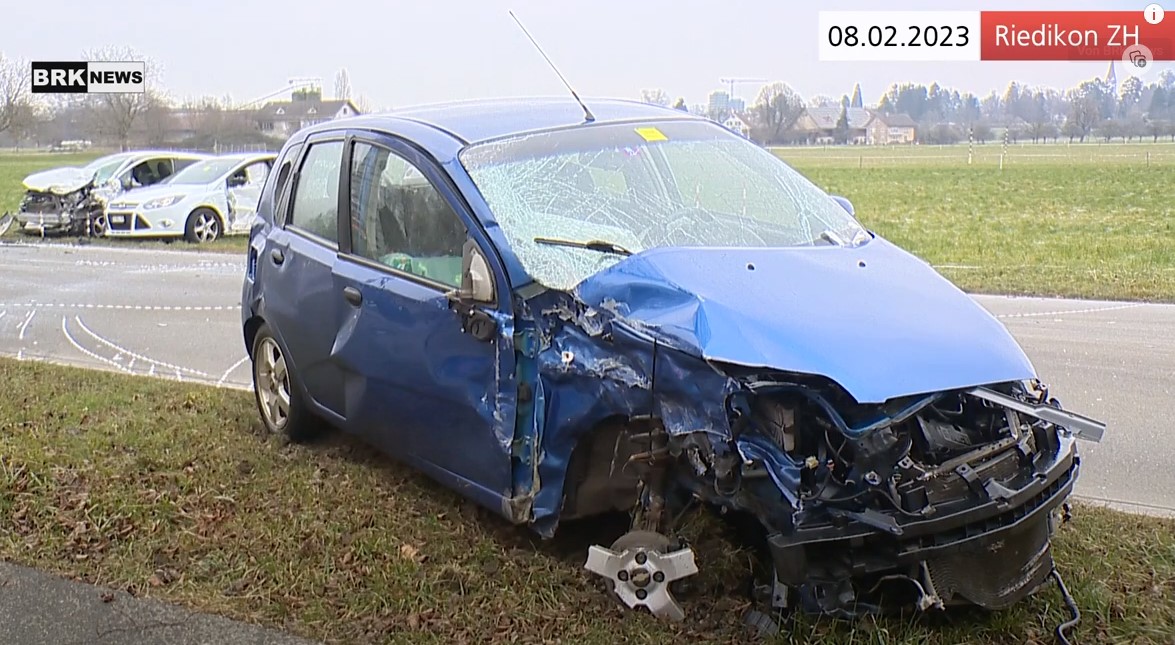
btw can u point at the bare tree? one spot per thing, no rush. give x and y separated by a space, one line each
823 101
342 84
775 111
17 110
363 104
116 114
656 96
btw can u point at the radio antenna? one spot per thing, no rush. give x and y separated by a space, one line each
587 114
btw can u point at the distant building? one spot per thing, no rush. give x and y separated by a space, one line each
719 103
305 108
887 129
818 124
737 105
736 124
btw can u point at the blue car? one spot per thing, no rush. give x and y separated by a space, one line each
562 314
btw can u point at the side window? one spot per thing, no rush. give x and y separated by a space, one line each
316 195
398 218
255 173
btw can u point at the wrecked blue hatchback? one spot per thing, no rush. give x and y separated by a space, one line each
561 315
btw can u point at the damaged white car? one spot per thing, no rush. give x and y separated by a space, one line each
206 200
72 200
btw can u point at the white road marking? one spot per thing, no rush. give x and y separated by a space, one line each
82 305
229 370
1090 310
133 355
3 313
25 326
77 346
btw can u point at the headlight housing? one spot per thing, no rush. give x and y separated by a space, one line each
162 202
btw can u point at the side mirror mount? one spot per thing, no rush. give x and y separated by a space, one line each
477 286
845 204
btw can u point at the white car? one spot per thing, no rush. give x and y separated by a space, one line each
72 200
217 196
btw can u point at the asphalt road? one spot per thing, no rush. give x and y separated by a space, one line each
174 314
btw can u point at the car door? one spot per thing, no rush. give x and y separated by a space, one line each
302 304
415 382
241 200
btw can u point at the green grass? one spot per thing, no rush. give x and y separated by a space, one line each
1091 221
15 166
172 491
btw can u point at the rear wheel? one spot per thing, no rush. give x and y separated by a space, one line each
203 226
278 399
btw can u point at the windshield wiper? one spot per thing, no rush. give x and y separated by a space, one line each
591 245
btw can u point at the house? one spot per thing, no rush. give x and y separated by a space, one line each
305 108
886 129
818 124
737 125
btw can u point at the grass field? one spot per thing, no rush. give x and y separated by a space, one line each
171 491
14 167
1084 220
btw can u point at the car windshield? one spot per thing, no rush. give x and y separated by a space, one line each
105 167
204 172
636 186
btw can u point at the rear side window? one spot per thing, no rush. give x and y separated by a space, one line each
316 195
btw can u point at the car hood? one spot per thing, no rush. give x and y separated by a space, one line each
59 181
875 319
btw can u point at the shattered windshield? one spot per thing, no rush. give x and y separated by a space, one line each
204 172
105 167
585 190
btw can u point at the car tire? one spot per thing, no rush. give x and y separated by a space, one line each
283 413
203 226
98 226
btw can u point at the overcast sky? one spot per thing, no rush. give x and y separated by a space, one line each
400 53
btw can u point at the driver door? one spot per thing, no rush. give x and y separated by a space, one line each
415 381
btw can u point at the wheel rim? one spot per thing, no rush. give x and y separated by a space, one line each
272 382
207 227
99 226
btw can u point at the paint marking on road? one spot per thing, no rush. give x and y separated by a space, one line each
82 305
235 365
1040 314
119 348
24 327
3 313
77 346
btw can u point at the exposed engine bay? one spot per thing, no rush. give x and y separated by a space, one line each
930 501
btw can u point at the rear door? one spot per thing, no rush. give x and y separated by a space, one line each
415 382
301 302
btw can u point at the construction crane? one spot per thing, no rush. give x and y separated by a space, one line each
291 84
731 81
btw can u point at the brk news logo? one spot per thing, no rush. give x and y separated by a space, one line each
89 77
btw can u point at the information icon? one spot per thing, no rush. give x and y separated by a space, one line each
1153 13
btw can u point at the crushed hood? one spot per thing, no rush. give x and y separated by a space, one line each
59 181
875 319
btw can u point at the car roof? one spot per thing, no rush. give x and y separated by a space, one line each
241 156
482 119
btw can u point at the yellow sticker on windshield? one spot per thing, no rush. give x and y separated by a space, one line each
651 134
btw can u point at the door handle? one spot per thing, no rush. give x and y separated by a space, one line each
277 256
353 296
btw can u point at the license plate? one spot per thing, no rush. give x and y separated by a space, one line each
117 219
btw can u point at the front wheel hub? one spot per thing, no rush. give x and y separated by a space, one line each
640 574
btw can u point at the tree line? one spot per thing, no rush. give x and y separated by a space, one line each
1094 109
